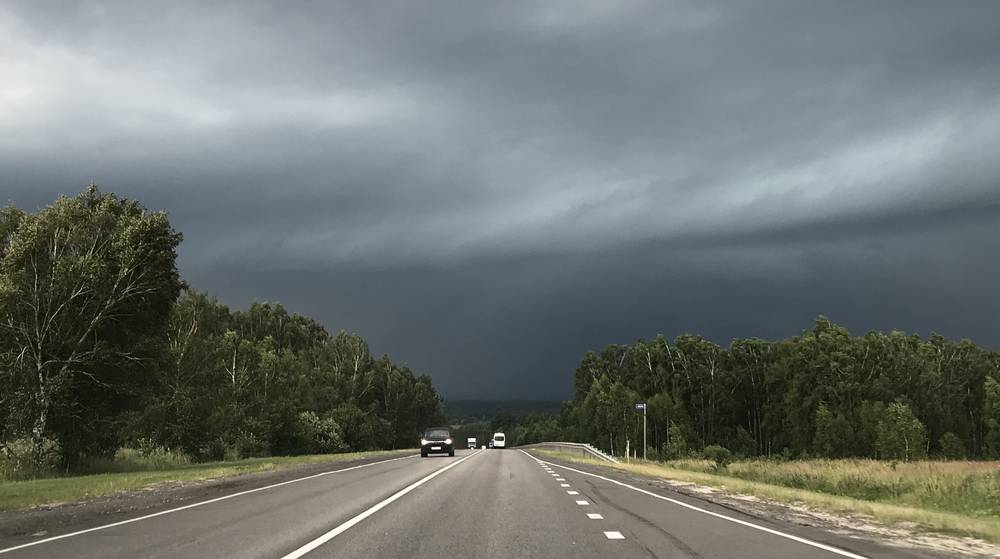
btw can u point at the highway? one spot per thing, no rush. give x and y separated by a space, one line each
483 504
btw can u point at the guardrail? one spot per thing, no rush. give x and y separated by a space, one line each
583 449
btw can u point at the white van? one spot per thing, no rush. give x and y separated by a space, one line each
499 441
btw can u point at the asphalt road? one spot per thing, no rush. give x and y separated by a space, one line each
483 504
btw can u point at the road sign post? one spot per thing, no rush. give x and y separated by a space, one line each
642 407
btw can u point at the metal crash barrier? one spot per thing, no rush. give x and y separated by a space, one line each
580 449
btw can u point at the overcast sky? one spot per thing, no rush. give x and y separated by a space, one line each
487 190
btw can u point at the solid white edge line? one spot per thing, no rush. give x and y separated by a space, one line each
198 504
831 549
300 552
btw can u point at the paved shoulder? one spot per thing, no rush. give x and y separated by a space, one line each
258 522
670 524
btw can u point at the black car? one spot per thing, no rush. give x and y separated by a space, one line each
436 441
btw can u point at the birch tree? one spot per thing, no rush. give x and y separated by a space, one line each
84 283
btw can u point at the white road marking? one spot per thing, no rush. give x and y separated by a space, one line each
560 479
198 504
582 503
375 508
563 485
830 548
594 516
614 535
572 492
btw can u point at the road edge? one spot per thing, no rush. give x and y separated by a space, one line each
365 463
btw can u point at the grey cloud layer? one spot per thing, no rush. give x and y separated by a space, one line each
376 139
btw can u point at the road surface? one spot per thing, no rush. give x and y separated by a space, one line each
483 504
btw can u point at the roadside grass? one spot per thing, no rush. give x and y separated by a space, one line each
132 460
948 497
49 491
967 488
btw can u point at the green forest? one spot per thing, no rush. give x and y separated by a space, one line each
825 393
103 346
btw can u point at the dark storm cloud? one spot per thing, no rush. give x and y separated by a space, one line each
488 190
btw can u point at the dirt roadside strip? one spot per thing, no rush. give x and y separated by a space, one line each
45 520
906 536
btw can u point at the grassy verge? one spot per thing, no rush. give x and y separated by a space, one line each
22 494
912 507
963 487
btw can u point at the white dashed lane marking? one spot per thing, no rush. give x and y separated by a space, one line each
590 515
814 544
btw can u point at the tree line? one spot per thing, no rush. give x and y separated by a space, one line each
103 345
824 393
